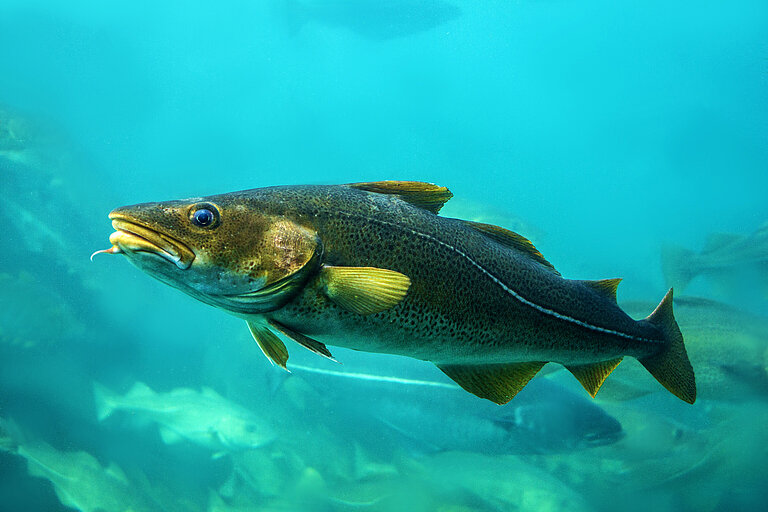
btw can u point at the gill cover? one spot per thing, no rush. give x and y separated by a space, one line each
232 255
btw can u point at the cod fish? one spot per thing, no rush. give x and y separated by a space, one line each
79 480
372 267
722 252
544 418
204 418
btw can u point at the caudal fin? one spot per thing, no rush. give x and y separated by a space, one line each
671 366
676 266
8 436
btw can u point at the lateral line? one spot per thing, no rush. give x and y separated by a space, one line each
510 291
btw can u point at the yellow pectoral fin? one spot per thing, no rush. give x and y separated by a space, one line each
269 343
364 290
592 376
496 382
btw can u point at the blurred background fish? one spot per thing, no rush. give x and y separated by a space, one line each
735 263
369 18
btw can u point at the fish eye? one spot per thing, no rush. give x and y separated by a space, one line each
204 215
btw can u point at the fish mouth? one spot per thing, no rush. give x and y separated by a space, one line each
604 438
131 237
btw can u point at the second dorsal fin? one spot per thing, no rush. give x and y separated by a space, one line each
424 195
511 239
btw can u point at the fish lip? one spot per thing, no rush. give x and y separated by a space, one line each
131 236
604 438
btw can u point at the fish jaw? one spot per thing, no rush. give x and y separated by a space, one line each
131 238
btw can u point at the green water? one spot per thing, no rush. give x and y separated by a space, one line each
606 132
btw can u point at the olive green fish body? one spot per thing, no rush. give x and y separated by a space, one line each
471 299
372 267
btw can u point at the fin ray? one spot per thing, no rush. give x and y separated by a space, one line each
269 343
592 376
418 193
364 290
605 287
498 383
511 239
670 366
303 340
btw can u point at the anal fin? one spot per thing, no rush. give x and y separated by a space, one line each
269 343
592 375
498 383
303 340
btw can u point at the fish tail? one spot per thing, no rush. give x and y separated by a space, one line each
676 266
104 399
8 441
670 366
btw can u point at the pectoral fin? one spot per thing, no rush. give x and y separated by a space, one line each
269 343
305 341
592 376
496 382
364 290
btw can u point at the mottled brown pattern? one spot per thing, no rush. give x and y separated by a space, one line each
472 299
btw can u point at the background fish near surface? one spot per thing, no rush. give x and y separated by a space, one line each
369 18
727 346
735 263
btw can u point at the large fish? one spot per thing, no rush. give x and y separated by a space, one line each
544 418
722 254
372 267
78 478
204 418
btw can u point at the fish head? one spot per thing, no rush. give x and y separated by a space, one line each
221 250
236 432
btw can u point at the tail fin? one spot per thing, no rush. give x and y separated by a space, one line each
104 401
8 441
676 266
671 366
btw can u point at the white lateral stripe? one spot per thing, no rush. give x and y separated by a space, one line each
506 288
375 378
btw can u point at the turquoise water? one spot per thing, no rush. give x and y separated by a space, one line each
606 132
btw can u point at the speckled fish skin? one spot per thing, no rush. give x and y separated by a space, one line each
473 299
456 310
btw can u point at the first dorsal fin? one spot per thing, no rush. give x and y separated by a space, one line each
605 287
511 239
496 382
424 195
592 376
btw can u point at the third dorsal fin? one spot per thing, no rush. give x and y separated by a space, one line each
424 195
511 239
605 287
